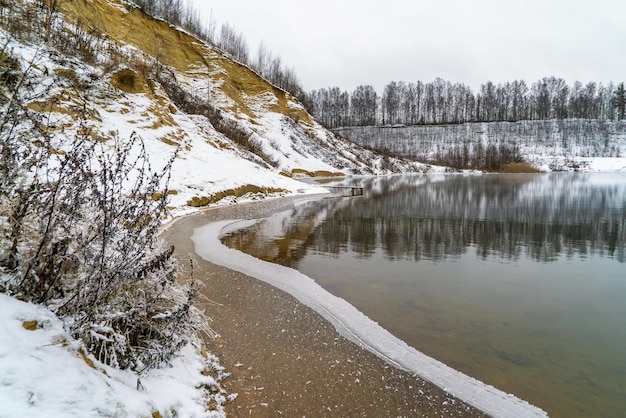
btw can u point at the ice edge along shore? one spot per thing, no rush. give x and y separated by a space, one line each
354 325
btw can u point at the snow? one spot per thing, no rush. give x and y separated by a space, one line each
205 165
357 327
550 145
43 373
606 164
583 164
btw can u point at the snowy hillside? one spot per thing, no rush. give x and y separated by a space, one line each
551 145
119 71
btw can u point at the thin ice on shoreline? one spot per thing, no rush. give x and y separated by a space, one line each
357 327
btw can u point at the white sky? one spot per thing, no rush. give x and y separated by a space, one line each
346 43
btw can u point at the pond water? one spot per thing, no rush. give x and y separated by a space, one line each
517 280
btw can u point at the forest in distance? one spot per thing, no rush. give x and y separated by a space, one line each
442 102
407 103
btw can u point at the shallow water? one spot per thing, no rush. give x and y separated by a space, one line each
517 280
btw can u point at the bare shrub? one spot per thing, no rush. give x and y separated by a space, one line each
79 225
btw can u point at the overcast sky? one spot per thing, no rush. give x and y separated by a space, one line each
346 43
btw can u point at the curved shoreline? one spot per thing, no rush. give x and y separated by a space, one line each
345 319
360 329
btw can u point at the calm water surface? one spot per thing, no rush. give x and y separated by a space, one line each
517 280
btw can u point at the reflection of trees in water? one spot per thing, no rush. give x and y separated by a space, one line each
415 218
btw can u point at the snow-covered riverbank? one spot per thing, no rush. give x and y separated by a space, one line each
45 373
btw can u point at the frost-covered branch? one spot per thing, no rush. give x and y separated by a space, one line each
79 224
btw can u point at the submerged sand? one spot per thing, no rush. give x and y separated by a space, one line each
284 358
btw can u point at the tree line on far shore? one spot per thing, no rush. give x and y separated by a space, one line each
444 102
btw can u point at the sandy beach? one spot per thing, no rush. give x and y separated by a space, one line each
284 358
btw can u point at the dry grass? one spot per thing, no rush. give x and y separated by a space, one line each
159 195
86 359
67 103
298 172
237 192
519 168
69 74
30 325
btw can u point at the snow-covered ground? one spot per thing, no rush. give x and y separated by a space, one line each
45 373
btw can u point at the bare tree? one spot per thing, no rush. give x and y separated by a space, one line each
50 7
234 43
619 101
391 103
363 106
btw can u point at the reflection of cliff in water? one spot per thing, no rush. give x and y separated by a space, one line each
418 217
